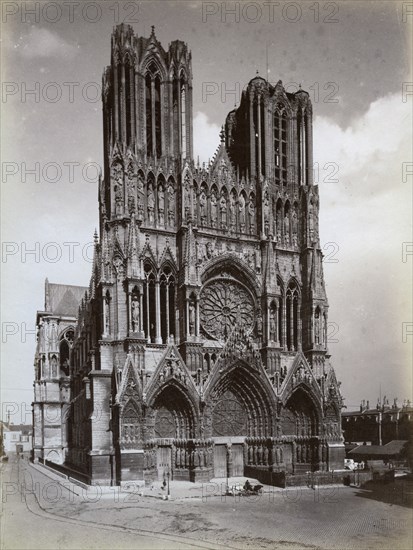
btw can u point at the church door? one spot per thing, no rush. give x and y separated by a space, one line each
220 461
164 462
237 460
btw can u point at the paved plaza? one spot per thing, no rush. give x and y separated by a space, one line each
43 510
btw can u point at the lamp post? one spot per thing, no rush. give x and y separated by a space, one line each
168 476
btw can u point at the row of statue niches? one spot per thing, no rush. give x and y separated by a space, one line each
160 208
230 212
130 434
183 457
263 455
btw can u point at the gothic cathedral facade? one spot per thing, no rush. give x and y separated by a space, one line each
200 347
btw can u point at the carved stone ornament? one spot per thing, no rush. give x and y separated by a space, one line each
225 304
229 417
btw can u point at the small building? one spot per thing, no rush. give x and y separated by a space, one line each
16 437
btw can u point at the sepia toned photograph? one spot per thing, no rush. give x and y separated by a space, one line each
206 274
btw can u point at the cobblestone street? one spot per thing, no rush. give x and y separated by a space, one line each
198 516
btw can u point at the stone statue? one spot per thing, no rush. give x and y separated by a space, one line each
251 213
273 325
241 207
223 210
140 183
135 314
214 209
311 221
54 366
286 228
171 205
161 204
119 267
118 199
232 214
131 189
259 324
191 318
187 199
151 203
266 211
202 206
295 222
317 327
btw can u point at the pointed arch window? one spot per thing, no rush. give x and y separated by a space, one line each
129 98
183 116
317 326
148 105
153 111
158 122
149 301
167 292
280 147
302 146
292 310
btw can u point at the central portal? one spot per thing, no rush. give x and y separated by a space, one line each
229 422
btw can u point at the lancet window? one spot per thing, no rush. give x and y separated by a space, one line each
280 147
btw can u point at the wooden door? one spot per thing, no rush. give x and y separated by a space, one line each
220 461
164 460
237 460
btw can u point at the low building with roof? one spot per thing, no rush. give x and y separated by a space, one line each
394 451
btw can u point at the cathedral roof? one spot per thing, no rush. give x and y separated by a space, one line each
63 299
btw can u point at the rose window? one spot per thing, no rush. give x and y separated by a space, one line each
224 304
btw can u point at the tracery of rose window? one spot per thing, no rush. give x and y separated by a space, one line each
224 304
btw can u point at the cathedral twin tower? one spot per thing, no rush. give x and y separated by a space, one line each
199 348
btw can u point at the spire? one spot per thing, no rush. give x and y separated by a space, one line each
46 295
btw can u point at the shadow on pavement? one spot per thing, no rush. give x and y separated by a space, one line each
398 492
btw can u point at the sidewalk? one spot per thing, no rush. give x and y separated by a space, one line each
178 490
186 489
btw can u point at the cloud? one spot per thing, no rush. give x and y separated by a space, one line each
206 137
44 43
369 147
366 212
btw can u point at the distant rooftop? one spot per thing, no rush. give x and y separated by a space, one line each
392 448
24 428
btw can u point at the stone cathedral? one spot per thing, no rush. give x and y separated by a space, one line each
199 349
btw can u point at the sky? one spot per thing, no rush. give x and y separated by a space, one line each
354 60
